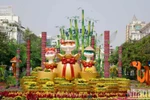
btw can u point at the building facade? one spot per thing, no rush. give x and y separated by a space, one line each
145 30
11 24
133 29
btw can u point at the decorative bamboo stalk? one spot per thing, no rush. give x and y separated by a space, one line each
70 30
58 47
83 31
77 34
89 31
58 44
99 58
61 33
28 57
95 43
92 28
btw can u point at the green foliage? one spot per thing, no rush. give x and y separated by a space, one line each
4 48
113 71
9 47
133 50
2 73
113 59
35 50
136 50
11 80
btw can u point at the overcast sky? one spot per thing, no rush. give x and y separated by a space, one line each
44 15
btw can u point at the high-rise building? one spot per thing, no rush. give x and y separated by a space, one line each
11 24
133 29
145 30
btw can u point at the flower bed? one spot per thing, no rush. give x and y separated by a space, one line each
61 95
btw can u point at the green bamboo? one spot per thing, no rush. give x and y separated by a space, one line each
89 31
58 45
77 34
83 31
70 30
99 59
95 45
61 33
92 28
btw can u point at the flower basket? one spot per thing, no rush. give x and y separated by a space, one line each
87 75
43 74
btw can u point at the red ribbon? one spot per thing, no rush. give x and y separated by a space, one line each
49 49
50 66
87 64
66 61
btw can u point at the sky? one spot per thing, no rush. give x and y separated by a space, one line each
45 15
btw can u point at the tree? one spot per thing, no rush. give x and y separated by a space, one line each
26 34
35 47
113 71
113 59
4 48
35 50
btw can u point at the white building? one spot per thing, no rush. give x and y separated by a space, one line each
145 30
133 29
52 41
11 24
